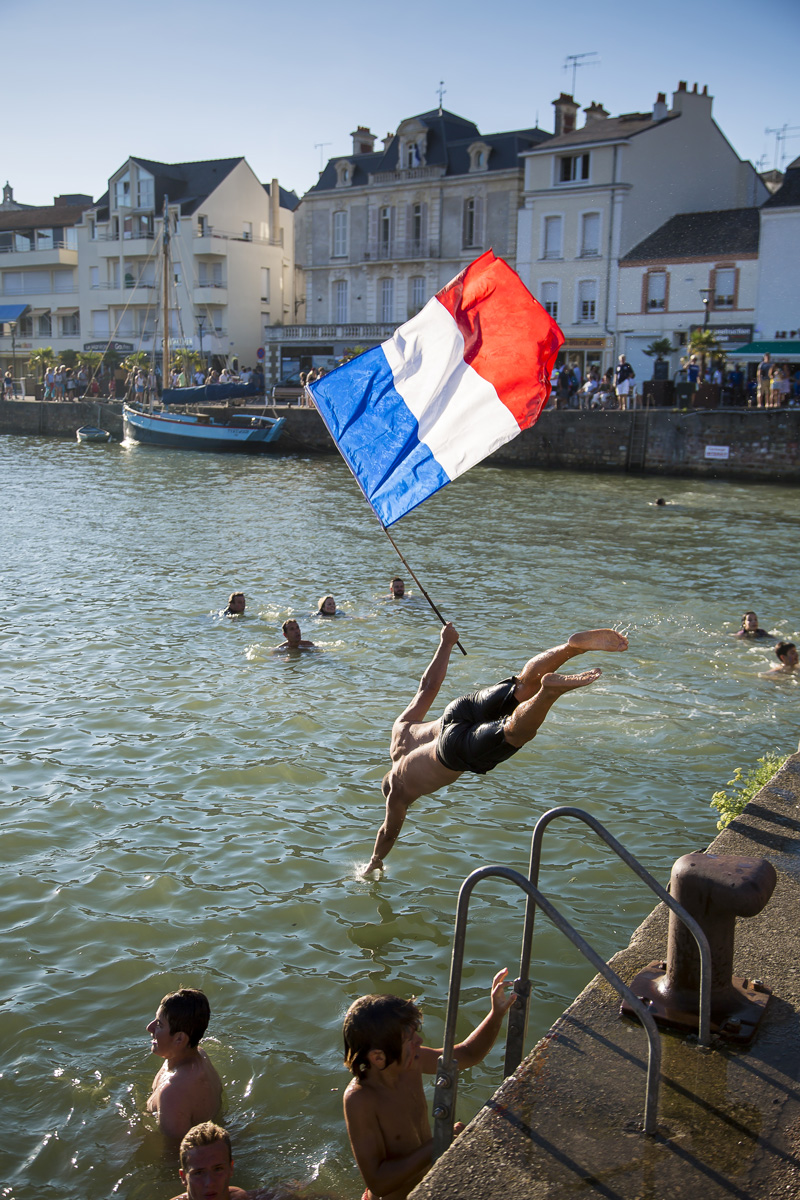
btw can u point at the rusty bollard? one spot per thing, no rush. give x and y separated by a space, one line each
715 889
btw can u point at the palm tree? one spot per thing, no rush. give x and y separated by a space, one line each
41 359
704 342
658 350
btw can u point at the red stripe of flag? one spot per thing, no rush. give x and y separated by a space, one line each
509 339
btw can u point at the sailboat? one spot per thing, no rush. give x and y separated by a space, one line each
181 430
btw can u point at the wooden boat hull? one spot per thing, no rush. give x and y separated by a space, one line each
187 431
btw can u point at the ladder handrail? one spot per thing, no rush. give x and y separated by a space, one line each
444 1100
516 1027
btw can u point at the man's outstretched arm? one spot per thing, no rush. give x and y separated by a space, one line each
433 677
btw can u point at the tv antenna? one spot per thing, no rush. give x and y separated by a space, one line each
321 146
441 91
781 135
574 61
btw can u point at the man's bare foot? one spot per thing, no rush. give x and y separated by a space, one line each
598 639
565 683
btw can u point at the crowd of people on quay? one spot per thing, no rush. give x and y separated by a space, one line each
769 385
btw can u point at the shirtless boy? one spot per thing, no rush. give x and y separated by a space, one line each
477 731
787 656
384 1106
294 638
187 1089
207 1165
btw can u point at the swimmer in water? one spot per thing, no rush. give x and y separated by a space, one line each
236 603
294 638
788 658
477 731
750 628
397 589
384 1106
186 1089
207 1165
326 607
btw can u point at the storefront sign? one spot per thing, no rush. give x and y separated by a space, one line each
117 347
584 344
728 335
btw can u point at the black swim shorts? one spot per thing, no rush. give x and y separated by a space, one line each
471 737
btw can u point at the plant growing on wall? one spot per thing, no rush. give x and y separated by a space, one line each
746 782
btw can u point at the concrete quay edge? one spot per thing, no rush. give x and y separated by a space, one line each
567 1123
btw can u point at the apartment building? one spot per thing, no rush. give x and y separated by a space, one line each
232 272
778 300
383 229
593 193
39 299
697 269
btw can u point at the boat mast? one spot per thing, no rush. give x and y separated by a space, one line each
165 266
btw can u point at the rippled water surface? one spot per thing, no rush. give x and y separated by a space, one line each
183 807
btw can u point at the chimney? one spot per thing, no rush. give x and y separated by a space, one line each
387 141
275 213
363 140
660 107
695 99
566 113
595 112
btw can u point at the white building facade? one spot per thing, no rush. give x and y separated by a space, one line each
591 194
382 230
232 271
778 302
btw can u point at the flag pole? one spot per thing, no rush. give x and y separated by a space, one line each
416 581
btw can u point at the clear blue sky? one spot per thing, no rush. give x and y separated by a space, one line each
85 85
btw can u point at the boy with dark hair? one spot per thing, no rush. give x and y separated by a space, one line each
786 653
384 1106
186 1090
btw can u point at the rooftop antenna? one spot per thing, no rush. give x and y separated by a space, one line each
321 146
781 135
441 90
574 61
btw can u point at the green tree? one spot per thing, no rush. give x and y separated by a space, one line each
136 361
41 359
658 350
704 342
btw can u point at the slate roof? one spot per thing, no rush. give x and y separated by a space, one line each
608 129
44 217
731 231
187 184
788 194
449 137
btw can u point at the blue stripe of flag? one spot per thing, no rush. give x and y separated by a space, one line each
378 435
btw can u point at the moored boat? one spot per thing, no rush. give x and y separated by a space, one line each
90 433
240 433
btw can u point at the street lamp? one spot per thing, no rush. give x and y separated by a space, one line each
200 325
706 294
13 357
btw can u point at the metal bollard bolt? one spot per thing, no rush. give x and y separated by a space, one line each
715 890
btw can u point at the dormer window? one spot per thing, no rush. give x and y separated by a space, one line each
344 173
412 139
479 156
122 191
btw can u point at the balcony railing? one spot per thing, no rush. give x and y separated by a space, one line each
300 333
407 174
57 245
400 248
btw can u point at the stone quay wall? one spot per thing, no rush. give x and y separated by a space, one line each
722 443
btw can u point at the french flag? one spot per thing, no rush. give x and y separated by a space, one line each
461 378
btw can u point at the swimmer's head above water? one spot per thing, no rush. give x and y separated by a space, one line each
375 1027
236 604
326 606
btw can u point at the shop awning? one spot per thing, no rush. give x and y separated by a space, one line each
12 312
780 351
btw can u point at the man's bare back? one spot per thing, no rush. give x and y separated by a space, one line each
417 767
185 1095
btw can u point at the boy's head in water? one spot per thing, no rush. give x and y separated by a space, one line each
375 1030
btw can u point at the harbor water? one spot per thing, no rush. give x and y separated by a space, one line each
184 807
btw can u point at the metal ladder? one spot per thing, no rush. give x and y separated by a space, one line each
444 1101
637 441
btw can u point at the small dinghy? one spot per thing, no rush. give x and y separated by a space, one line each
90 433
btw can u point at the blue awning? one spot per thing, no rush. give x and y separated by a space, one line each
12 312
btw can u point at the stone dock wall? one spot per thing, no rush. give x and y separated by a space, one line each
722 443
